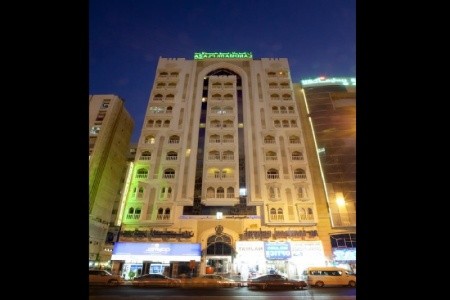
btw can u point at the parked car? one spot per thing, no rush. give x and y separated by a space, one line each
157 280
209 280
275 281
102 277
329 276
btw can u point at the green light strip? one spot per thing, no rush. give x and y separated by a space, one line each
336 80
206 55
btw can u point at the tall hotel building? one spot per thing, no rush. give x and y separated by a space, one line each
221 181
110 128
331 108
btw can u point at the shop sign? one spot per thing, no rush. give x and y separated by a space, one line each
277 250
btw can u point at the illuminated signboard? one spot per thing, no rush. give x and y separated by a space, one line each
160 248
344 254
326 81
277 250
206 55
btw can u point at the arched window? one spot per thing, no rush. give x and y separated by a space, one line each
174 139
169 173
216 97
273 214
227 123
228 155
293 139
280 214
214 155
230 192
283 110
142 173
172 155
169 109
210 193
228 138
214 139
291 110
146 155
228 97
228 85
299 174
284 85
293 123
268 139
275 109
287 97
285 123
166 123
296 155
150 123
277 124
215 109
227 110
274 97
141 192
215 123
159 216
158 97
150 139
310 214
270 155
167 214
272 174
170 97
220 192
158 123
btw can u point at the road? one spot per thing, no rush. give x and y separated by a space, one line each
130 292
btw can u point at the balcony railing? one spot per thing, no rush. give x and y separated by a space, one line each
299 176
272 176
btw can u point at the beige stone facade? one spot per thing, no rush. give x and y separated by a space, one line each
225 160
110 128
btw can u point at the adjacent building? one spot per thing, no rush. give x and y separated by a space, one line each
222 180
110 129
331 108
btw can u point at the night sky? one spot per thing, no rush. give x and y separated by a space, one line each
127 37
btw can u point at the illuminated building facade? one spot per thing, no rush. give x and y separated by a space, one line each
221 180
110 128
331 107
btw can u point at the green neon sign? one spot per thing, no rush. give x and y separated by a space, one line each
206 55
324 80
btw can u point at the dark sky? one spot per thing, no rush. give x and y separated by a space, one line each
127 37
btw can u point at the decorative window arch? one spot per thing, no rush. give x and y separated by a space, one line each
169 173
272 174
299 174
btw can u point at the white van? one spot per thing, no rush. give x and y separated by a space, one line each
329 276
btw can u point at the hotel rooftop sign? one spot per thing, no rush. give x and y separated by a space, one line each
233 55
328 81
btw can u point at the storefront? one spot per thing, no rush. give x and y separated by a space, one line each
134 259
255 258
